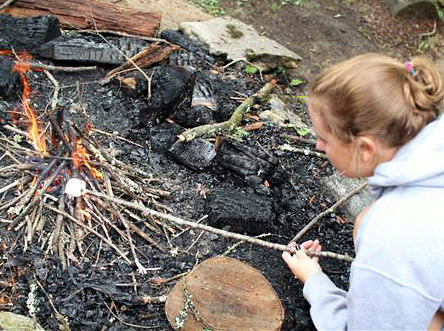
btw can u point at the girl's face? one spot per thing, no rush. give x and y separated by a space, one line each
342 155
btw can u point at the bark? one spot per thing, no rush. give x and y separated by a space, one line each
89 14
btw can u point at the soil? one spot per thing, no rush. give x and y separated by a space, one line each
89 291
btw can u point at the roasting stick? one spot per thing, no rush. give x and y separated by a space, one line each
150 212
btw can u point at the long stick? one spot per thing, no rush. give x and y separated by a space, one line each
150 212
327 211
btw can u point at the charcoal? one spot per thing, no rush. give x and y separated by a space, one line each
171 88
8 78
27 34
253 165
92 49
196 154
180 39
243 212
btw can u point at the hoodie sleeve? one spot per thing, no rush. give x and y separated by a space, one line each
328 303
374 302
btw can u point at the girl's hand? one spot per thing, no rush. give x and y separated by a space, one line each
300 264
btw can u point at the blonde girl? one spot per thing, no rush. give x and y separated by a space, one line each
378 117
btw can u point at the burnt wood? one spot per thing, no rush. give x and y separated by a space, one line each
242 211
89 14
8 78
26 34
171 88
92 49
253 165
180 39
196 154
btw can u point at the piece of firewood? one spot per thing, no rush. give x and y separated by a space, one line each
27 34
89 14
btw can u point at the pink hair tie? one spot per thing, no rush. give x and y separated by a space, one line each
409 67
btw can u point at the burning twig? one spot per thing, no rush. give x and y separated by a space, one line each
228 126
147 211
328 211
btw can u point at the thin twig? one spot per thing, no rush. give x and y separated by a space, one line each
58 68
89 229
150 212
287 147
327 211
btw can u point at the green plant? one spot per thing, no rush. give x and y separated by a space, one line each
425 45
210 6
274 7
296 82
292 2
251 70
439 10
302 132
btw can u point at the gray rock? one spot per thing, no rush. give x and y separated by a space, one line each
239 41
340 186
417 8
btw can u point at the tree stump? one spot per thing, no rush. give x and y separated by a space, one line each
223 293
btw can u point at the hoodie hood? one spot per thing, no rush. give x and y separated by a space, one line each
420 162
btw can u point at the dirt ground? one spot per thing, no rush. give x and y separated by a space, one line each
91 294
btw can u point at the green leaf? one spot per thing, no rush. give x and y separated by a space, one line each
302 132
296 82
251 70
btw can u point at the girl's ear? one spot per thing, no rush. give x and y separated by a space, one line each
367 148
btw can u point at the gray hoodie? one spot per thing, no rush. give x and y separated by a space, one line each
397 278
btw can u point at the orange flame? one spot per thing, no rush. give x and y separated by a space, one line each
37 138
80 156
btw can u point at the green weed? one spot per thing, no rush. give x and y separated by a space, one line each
212 7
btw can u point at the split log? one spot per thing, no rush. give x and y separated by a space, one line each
180 39
81 48
196 154
243 212
154 53
171 88
89 14
253 165
27 34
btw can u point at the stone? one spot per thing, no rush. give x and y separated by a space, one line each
224 36
338 186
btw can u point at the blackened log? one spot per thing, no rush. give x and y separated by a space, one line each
92 49
253 165
171 88
243 212
180 39
9 79
89 14
196 154
26 34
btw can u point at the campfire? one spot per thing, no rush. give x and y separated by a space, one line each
79 191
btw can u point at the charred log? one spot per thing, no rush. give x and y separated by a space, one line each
27 33
89 14
253 165
197 154
180 39
171 88
242 211
8 78
93 49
